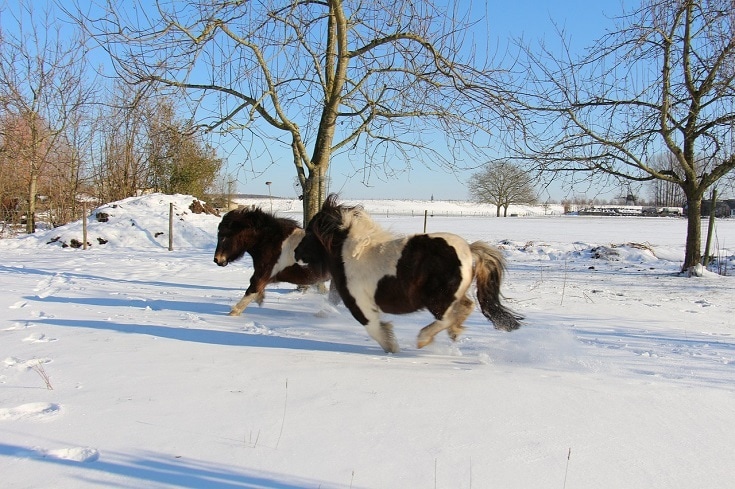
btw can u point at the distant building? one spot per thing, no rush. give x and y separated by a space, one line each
630 210
612 210
724 208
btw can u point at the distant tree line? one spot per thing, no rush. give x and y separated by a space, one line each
506 182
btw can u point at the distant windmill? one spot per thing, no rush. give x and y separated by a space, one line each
630 198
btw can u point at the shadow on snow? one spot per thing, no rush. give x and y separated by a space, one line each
154 468
214 337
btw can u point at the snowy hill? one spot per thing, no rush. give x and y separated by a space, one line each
134 223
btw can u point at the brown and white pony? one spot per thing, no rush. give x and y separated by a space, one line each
270 241
376 272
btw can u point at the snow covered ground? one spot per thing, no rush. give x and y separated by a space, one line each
119 366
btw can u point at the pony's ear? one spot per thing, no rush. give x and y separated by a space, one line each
330 202
350 216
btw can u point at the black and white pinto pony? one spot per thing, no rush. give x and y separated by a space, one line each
375 271
270 241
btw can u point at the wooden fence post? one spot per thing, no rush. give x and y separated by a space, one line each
710 228
170 226
84 225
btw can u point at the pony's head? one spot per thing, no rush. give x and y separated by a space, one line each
242 229
326 231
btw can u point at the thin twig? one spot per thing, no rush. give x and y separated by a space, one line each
250 440
283 418
41 371
566 471
470 472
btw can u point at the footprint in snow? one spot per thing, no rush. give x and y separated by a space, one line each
18 326
40 315
47 286
18 305
37 411
38 338
256 328
42 285
21 365
75 454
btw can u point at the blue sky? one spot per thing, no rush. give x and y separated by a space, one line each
583 20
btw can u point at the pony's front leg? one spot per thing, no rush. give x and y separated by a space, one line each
382 332
245 301
367 313
256 294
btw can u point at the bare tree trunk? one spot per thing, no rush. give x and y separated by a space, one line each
31 217
35 168
693 253
314 193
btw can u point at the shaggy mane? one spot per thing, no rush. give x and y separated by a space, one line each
362 227
353 219
259 218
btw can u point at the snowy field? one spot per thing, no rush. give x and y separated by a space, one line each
119 366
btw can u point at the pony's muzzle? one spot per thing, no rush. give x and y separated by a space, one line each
221 261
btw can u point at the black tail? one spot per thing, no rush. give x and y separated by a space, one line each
489 268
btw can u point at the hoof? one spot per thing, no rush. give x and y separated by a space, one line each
234 313
422 342
455 333
388 339
392 348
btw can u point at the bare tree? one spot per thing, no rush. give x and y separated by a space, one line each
42 87
120 166
374 81
13 177
143 145
663 192
662 81
179 159
221 191
503 184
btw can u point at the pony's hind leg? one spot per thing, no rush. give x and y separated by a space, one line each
427 333
382 332
452 320
461 310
